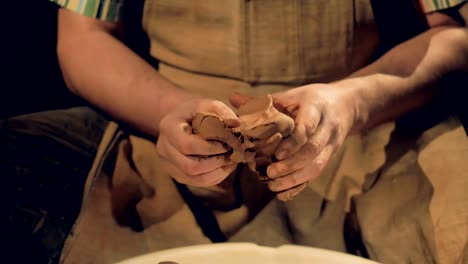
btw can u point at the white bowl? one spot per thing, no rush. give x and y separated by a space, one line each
247 253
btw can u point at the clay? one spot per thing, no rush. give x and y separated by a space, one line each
262 127
211 127
260 119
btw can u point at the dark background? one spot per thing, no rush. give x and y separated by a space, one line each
30 76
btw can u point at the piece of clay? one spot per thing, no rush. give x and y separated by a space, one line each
262 127
211 127
260 119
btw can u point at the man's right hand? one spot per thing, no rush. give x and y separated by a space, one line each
187 157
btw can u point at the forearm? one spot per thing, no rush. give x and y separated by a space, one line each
102 70
407 76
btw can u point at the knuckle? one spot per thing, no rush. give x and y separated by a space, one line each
339 133
190 168
218 103
319 163
182 180
208 179
310 128
163 124
310 122
300 138
177 179
334 123
160 150
326 104
315 147
293 180
185 146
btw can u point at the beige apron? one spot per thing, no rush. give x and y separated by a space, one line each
405 195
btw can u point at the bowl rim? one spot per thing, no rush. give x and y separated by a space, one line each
240 246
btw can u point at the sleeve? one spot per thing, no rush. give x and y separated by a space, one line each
106 10
436 5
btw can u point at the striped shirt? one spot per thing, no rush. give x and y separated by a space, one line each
107 10
436 5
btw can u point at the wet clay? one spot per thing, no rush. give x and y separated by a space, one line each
262 127
211 127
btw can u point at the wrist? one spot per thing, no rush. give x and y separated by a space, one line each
169 102
354 90
376 99
368 97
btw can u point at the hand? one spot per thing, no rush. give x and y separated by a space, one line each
187 157
324 114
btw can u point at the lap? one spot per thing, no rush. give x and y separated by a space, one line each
402 200
44 161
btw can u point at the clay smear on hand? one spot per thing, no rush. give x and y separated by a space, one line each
262 127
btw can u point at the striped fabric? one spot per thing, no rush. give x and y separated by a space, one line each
435 5
107 10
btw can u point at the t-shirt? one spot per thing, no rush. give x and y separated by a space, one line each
106 10
429 6
109 10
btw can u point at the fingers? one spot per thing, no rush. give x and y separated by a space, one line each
201 180
189 164
291 193
308 162
174 127
322 121
307 121
299 160
305 174
177 146
190 144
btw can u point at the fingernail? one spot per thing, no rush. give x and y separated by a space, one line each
281 154
271 172
274 185
297 191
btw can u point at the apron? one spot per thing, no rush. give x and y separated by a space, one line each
394 196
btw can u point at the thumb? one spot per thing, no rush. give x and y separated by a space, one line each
238 99
225 113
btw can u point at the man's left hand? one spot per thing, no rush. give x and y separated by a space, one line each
324 115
